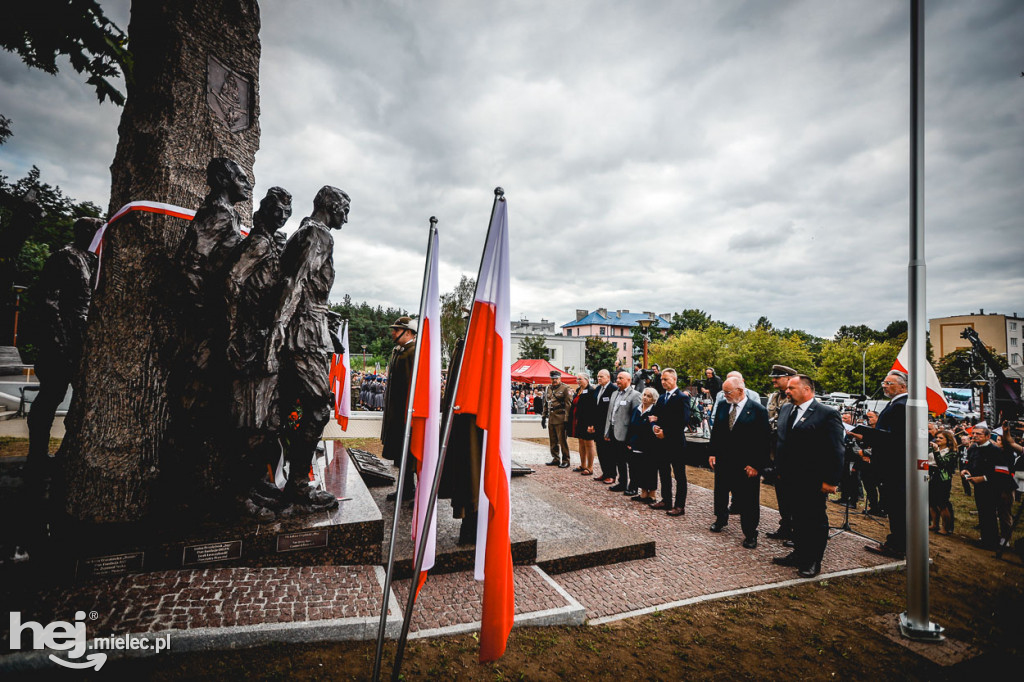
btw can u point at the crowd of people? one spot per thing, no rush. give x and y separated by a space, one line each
634 430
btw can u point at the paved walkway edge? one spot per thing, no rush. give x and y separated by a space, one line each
573 613
238 636
746 590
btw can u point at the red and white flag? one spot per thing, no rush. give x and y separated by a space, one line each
341 381
424 441
936 399
485 388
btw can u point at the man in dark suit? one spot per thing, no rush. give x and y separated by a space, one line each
603 396
396 402
671 415
810 457
739 452
889 458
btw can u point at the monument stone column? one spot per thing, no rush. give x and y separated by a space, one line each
194 95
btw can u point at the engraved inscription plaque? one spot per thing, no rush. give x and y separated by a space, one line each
309 539
229 94
112 564
214 551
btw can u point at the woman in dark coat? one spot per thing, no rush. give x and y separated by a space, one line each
642 444
582 415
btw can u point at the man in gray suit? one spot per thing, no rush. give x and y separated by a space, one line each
624 400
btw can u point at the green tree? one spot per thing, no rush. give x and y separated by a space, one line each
895 329
455 304
35 221
95 45
600 354
690 351
860 333
841 364
533 347
690 318
961 366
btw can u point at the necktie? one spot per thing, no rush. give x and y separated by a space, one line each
732 416
792 419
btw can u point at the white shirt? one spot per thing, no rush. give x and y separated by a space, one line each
801 409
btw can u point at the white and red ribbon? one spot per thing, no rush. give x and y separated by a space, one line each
150 207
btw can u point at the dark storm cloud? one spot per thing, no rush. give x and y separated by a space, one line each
645 148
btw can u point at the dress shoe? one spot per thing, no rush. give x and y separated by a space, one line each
637 498
553 463
647 500
660 505
789 543
629 492
885 550
810 570
563 465
788 560
617 488
750 543
777 535
676 511
391 497
718 526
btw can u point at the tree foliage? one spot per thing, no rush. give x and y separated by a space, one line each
533 347
368 326
751 352
455 304
961 366
841 364
35 221
690 318
78 29
600 354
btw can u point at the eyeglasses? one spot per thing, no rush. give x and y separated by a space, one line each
889 383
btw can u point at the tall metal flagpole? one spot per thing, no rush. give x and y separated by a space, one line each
914 621
402 472
446 419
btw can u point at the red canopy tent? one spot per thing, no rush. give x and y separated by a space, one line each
538 372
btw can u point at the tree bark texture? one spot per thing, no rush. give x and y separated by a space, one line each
194 96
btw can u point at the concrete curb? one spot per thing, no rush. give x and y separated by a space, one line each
745 590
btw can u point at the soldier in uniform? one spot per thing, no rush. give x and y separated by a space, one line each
557 399
780 380
396 401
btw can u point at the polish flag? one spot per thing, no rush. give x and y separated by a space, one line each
424 442
340 380
485 388
936 399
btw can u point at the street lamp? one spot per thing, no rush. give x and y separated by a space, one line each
645 324
364 359
863 369
17 289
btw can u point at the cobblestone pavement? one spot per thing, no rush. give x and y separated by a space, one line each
691 562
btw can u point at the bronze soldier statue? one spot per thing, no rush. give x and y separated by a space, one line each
209 239
251 292
65 285
196 466
301 334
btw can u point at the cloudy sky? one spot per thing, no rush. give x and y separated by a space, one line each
746 158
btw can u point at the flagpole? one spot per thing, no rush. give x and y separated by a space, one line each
425 531
446 419
403 470
914 622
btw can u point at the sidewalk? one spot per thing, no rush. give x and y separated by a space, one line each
235 607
